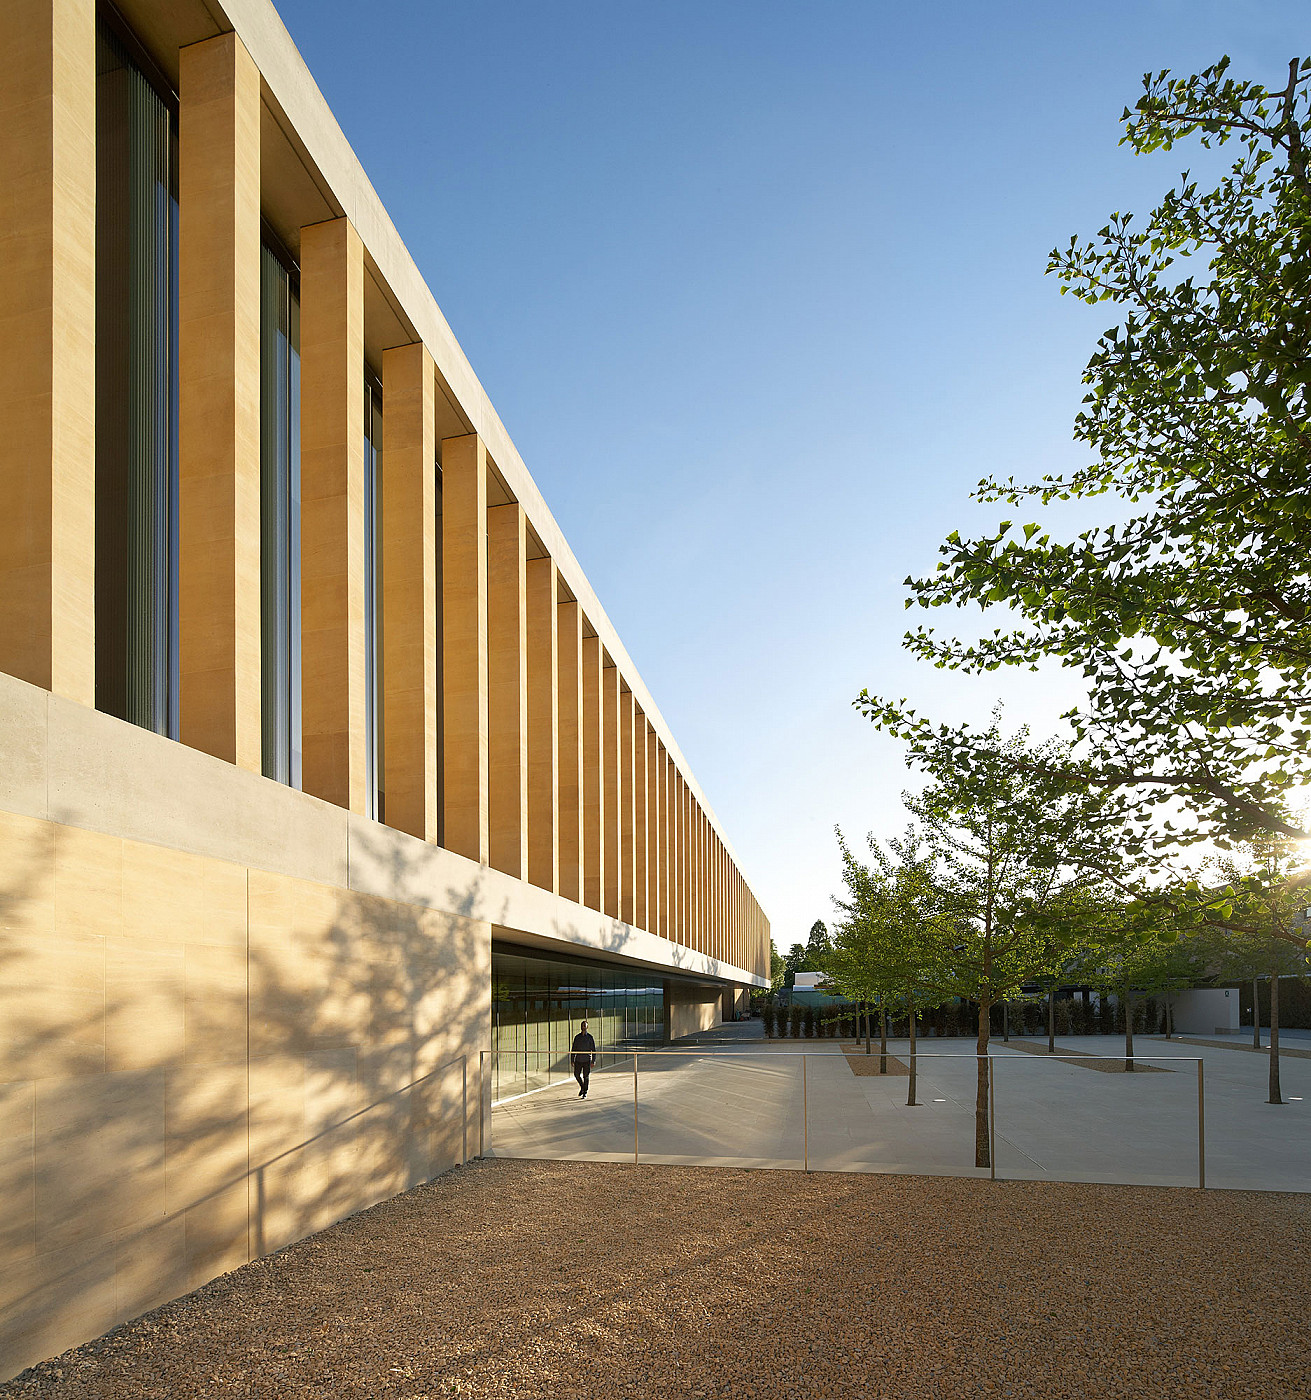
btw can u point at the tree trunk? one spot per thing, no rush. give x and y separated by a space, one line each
1275 1096
865 1007
910 1098
1256 1014
1051 1019
1006 1021
883 1040
982 1153
1128 1030
1169 1014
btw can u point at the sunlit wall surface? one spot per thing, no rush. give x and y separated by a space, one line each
538 1005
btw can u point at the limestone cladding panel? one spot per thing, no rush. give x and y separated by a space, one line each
691 1009
641 899
464 646
660 842
595 851
219 400
203 1061
92 773
569 639
688 933
332 513
409 591
627 810
107 775
47 344
674 927
507 689
699 872
543 724
611 783
696 871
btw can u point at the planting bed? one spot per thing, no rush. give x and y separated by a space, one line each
863 1064
564 1279
1085 1059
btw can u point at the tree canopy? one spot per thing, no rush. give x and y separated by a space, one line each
1189 616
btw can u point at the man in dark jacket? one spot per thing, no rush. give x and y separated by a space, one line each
584 1057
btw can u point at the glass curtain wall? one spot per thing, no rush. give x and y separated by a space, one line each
136 391
373 730
538 1005
280 518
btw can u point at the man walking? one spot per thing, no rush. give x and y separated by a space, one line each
584 1057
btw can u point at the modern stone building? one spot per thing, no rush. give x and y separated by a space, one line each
322 770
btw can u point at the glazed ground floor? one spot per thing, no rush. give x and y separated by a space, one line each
540 1002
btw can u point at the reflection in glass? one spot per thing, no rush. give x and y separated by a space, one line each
136 394
538 1005
374 795
280 519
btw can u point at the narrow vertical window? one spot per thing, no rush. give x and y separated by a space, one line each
280 518
373 641
136 392
439 688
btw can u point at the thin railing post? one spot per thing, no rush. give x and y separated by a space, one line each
805 1120
1201 1128
992 1122
634 1107
482 1101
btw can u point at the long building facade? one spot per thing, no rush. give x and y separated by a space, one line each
330 801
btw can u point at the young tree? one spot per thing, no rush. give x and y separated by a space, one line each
1129 954
1014 844
1260 917
925 933
1191 619
861 964
892 943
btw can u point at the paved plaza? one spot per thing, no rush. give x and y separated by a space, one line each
751 1104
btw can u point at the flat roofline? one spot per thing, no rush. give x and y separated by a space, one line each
525 943
504 945
290 83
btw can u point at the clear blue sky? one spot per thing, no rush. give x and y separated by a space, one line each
757 289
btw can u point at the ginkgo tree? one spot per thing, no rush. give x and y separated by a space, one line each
1256 919
895 939
1012 845
1188 614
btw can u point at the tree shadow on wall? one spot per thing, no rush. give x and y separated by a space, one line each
180 1099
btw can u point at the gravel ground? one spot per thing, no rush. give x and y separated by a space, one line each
566 1279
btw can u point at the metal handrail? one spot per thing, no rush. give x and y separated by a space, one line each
912 1056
